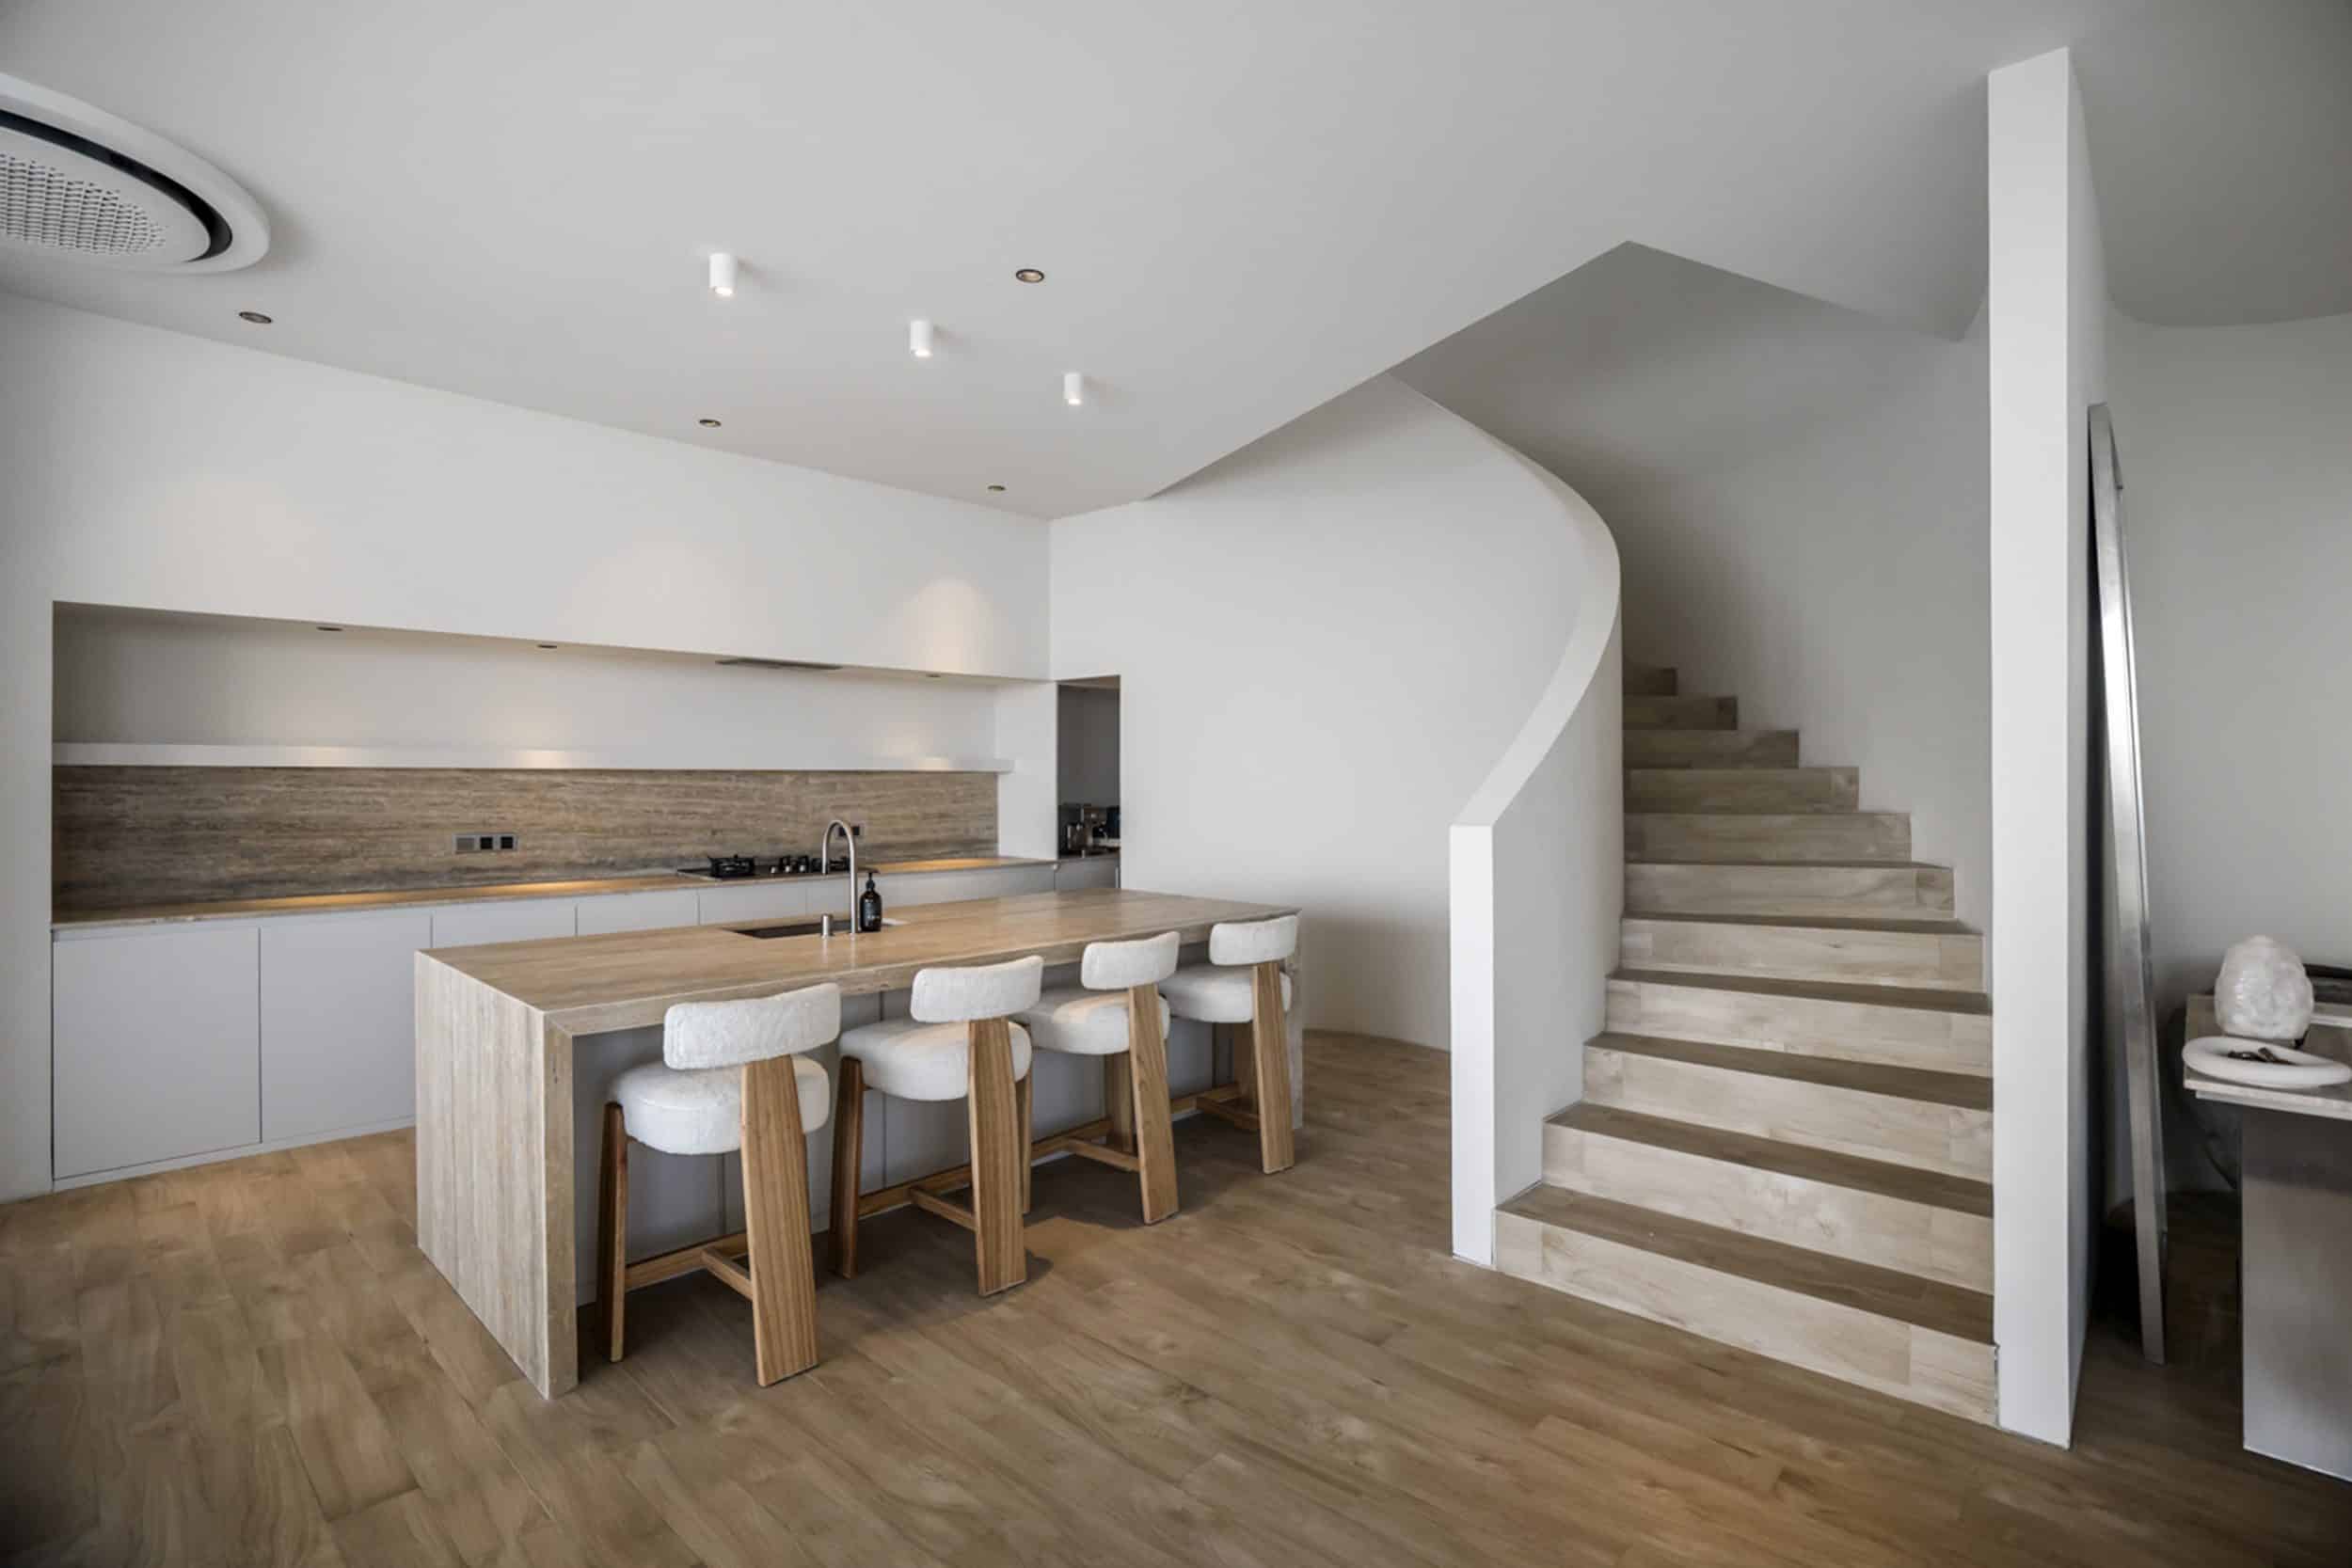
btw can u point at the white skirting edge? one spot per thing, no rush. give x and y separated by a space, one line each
238 1151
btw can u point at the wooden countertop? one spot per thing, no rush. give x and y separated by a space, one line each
328 903
629 980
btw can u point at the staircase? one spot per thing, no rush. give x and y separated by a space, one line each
1786 1140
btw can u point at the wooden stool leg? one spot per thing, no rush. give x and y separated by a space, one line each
1119 1104
1026 1111
775 1216
1270 1053
1147 1076
613 1228
1245 1075
997 1156
848 1164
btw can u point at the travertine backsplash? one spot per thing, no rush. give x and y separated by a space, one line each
144 836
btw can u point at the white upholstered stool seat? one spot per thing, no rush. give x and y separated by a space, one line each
1211 994
700 1110
1080 1023
922 1061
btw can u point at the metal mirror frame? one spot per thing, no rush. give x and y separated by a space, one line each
2130 967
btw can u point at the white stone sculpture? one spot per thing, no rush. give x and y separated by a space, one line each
2263 993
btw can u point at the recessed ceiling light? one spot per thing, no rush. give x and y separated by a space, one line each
1030 274
722 274
995 489
708 424
254 316
1074 388
919 338
331 629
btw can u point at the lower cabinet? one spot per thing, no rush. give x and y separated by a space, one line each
637 911
514 920
339 1022
1089 871
157 1042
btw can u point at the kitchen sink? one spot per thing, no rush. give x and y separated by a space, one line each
799 928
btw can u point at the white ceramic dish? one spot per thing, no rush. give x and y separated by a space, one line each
2209 1054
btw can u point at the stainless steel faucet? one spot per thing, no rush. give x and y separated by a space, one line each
824 859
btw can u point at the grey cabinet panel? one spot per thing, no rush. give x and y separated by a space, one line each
339 1022
157 1040
728 906
637 911
1099 872
521 920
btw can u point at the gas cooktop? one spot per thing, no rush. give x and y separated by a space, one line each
730 868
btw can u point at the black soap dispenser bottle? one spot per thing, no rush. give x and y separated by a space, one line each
869 906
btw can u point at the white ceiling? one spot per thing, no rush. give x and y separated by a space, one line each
1245 208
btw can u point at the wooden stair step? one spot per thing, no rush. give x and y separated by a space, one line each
1942 1031
1918 1222
1916 1339
1932 1120
1742 789
1682 713
1879 837
1940 954
1650 680
1710 748
1818 887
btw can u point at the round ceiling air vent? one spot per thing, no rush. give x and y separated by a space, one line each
79 185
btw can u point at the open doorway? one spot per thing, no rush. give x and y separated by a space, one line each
1087 755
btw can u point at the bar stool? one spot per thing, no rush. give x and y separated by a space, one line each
1243 983
1115 1012
958 1041
732 1075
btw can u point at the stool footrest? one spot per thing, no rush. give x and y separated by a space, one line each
728 1271
1119 1159
931 1203
1227 1110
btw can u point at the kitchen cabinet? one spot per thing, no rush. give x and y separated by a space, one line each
157 1040
637 911
508 920
339 1022
907 887
1092 871
728 906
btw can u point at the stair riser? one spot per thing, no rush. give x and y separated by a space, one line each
1682 713
1870 1228
1899 1358
1902 892
1699 838
1710 748
1650 680
1843 1031
1938 961
1742 789
1913 1133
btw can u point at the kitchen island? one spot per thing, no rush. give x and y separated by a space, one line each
496 1027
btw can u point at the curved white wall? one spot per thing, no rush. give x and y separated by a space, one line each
1324 642
1537 872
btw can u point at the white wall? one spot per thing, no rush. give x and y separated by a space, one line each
1088 738
152 469
1324 642
140 676
2046 311
1798 494
2236 452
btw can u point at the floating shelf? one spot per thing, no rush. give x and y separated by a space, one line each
87 754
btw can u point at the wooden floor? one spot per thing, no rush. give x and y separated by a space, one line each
251 1364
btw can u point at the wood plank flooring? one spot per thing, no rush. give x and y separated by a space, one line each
251 1364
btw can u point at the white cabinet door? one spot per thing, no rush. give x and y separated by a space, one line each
339 1031
637 911
506 920
1015 880
904 889
1096 871
158 1045
730 906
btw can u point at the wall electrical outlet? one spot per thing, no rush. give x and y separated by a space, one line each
480 844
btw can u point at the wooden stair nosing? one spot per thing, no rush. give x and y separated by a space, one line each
1922 998
1957 1091
1694 711
1879 1178
1928 1304
1719 748
1906 926
1752 791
